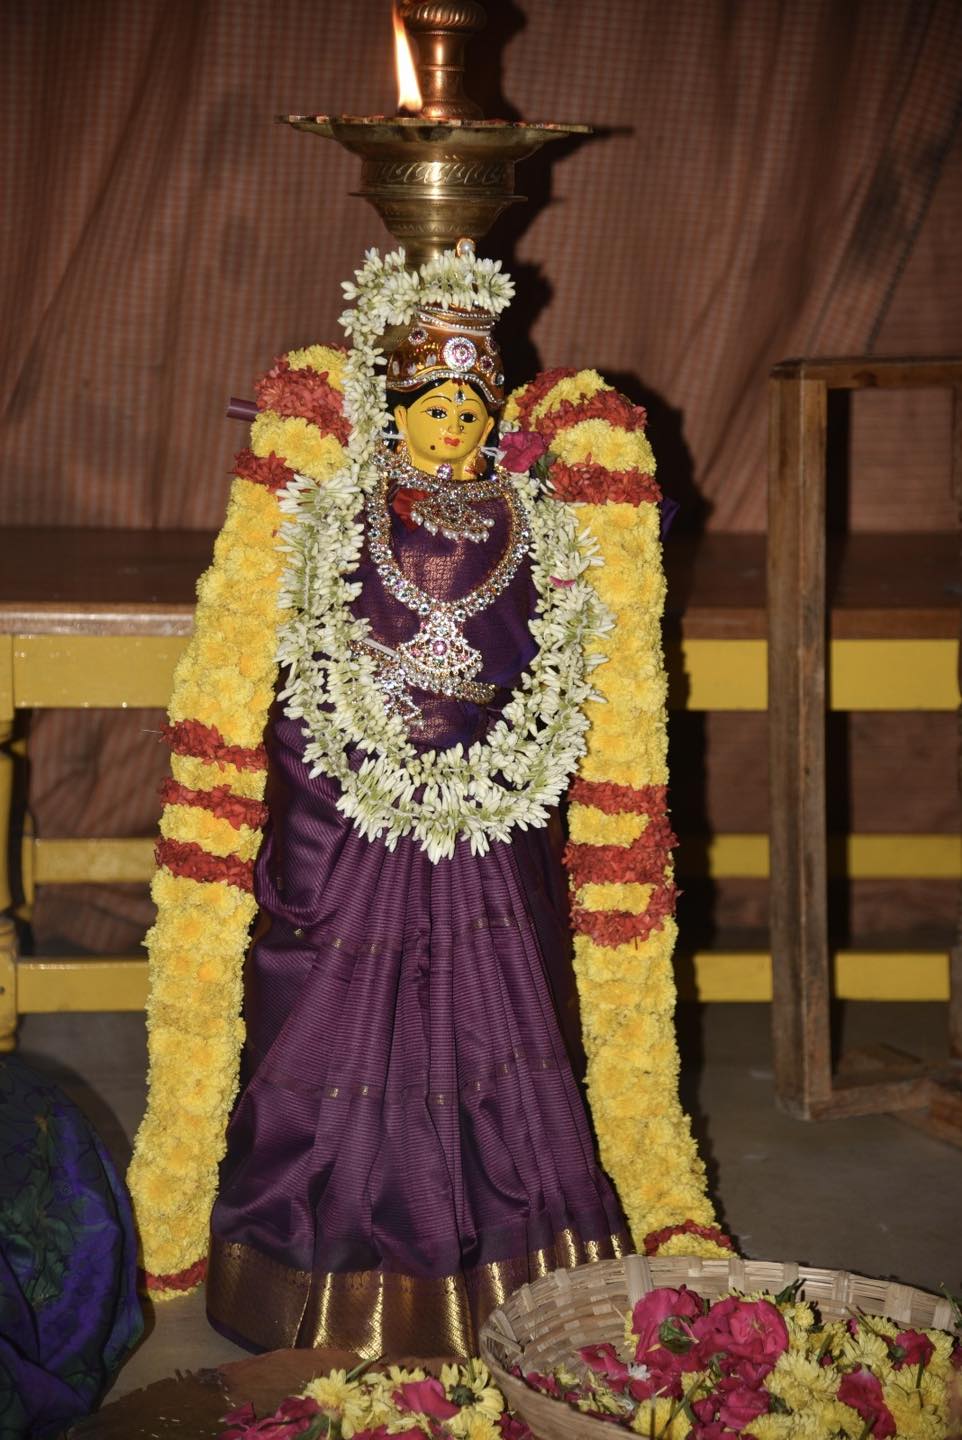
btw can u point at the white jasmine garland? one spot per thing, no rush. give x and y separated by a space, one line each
518 772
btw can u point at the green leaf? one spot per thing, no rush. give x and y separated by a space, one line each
675 1336
789 1295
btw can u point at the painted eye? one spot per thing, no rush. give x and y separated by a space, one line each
436 412
468 416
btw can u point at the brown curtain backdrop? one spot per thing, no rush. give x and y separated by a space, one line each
770 178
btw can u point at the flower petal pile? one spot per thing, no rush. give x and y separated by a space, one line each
463 1404
763 1367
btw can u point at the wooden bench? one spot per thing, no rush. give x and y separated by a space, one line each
97 618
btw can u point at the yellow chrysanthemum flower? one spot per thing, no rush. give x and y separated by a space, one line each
190 823
320 358
303 446
207 775
661 1418
333 1391
801 1381
588 826
608 895
868 1349
912 1416
474 1424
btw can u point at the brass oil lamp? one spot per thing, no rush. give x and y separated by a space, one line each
437 171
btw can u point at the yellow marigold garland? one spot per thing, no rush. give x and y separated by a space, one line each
223 688
619 856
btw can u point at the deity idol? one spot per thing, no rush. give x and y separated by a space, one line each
409 1142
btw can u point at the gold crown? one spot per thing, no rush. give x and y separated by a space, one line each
449 345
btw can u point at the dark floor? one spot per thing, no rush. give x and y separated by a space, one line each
870 1194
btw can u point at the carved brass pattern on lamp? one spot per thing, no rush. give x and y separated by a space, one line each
444 172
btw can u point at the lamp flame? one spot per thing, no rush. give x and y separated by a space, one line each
409 91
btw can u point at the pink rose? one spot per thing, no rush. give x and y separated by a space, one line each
644 1389
705 1409
750 1374
863 1391
911 1348
520 450
291 1418
741 1406
547 1384
427 1397
603 1360
744 1330
658 1306
512 1427
238 1422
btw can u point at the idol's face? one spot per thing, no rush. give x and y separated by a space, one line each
440 428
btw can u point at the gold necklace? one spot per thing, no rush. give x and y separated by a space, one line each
438 658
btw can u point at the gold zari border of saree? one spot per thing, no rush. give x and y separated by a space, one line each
376 1312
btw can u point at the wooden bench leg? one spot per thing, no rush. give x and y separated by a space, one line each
8 985
8 934
801 978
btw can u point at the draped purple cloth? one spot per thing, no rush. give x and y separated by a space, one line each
69 1312
409 1101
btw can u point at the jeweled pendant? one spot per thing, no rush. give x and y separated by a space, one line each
441 650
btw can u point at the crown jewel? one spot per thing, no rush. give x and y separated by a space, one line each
449 345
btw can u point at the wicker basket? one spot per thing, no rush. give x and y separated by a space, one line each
544 1324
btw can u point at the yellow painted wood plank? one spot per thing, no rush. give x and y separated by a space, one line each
120 984
6 679
913 975
894 675
864 675
859 857
858 975
97 861
727 976
726 856
720 675
136 670
48 987
896 857
81 671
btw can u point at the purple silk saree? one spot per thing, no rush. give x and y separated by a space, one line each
410 1143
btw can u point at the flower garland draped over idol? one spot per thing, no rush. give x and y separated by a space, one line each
594 705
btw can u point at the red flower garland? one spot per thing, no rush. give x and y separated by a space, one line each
191 861
617 927
656 1238
304 394
267 470
221 801
534 393
642 862
603 405
618 799
205 742
187 1279
592 484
